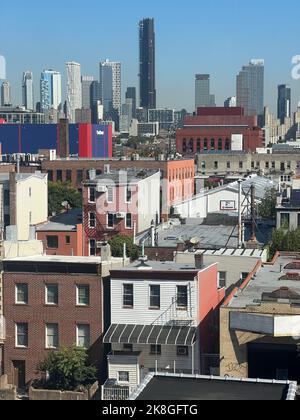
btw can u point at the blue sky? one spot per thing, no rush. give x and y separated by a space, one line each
195 36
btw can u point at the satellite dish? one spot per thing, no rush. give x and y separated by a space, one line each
194 241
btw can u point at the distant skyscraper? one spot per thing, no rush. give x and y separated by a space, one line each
86 85
96 101
250 88
27 91
230 102
50 88
5 94
203 97
131 94
147 64
74 93
284 103
110 87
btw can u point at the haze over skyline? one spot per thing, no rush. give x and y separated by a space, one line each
195 38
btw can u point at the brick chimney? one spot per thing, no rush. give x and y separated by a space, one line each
199 260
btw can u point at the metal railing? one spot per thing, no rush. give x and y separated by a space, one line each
113 392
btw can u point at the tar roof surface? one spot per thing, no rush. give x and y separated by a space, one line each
267 280
185 389
161 266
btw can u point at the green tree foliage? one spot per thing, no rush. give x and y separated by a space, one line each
117 247
284 240
267 208
58 192
68 370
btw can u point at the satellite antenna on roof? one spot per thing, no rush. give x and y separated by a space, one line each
66 205
194 241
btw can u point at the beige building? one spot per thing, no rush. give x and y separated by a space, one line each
260 323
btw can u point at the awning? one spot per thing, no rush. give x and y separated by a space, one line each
150 334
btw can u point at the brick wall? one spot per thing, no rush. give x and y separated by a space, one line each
37 314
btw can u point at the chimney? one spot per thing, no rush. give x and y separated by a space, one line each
199 260
64 141
181 247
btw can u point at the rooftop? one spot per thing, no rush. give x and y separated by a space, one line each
56 259
283 277
64 222
123 176
200 388
161 266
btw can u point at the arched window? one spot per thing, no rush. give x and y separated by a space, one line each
198 145
227 144
220 144
205 146
212 144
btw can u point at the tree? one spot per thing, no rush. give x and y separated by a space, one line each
68 370
284 240
58 192
117 247
267 208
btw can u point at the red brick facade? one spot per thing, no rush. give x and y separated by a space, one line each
69 243
37 314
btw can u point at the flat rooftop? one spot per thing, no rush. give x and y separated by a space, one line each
200 388
56 259
285 273
161 266
64 222
123 176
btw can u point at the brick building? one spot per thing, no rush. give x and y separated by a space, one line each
177 175
219 129
122 202
50 302
62 234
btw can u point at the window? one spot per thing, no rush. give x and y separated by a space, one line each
128 221
59 176
222 279
110 194
123 377
128 347
241 165
205 144
298 220
216 165
267 165
52 242
192 145
182 351
22 335
30 192
182 297
92 220
228 165
244 276
155 297
83 336
198 146
128 194
220 144
79 176
50 175
93 247
203 165
128 295
285 220
52 336
83 295
155 350
227 144
51 294
22 294
253 165
110 220
69 175
6 197
92 195
68 240
212 144
273 165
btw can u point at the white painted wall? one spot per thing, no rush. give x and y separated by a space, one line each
148 201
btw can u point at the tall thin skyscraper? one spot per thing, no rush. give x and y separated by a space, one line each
147 64
230 102
5 94
284 103
27 91
203 97
250 88
50 88
110 88
86 85
74 92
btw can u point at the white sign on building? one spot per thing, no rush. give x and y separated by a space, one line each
237 142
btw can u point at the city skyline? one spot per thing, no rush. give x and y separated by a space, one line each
222 54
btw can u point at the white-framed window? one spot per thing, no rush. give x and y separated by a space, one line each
128 221
92 195
123 377
21 335
128 296
110 195
92 220
182 297
82 295
51 292
93 247
21 294
110 220
154 296
83 336
222 277
52 339
182 351
128 194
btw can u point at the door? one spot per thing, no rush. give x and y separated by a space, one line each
19 375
